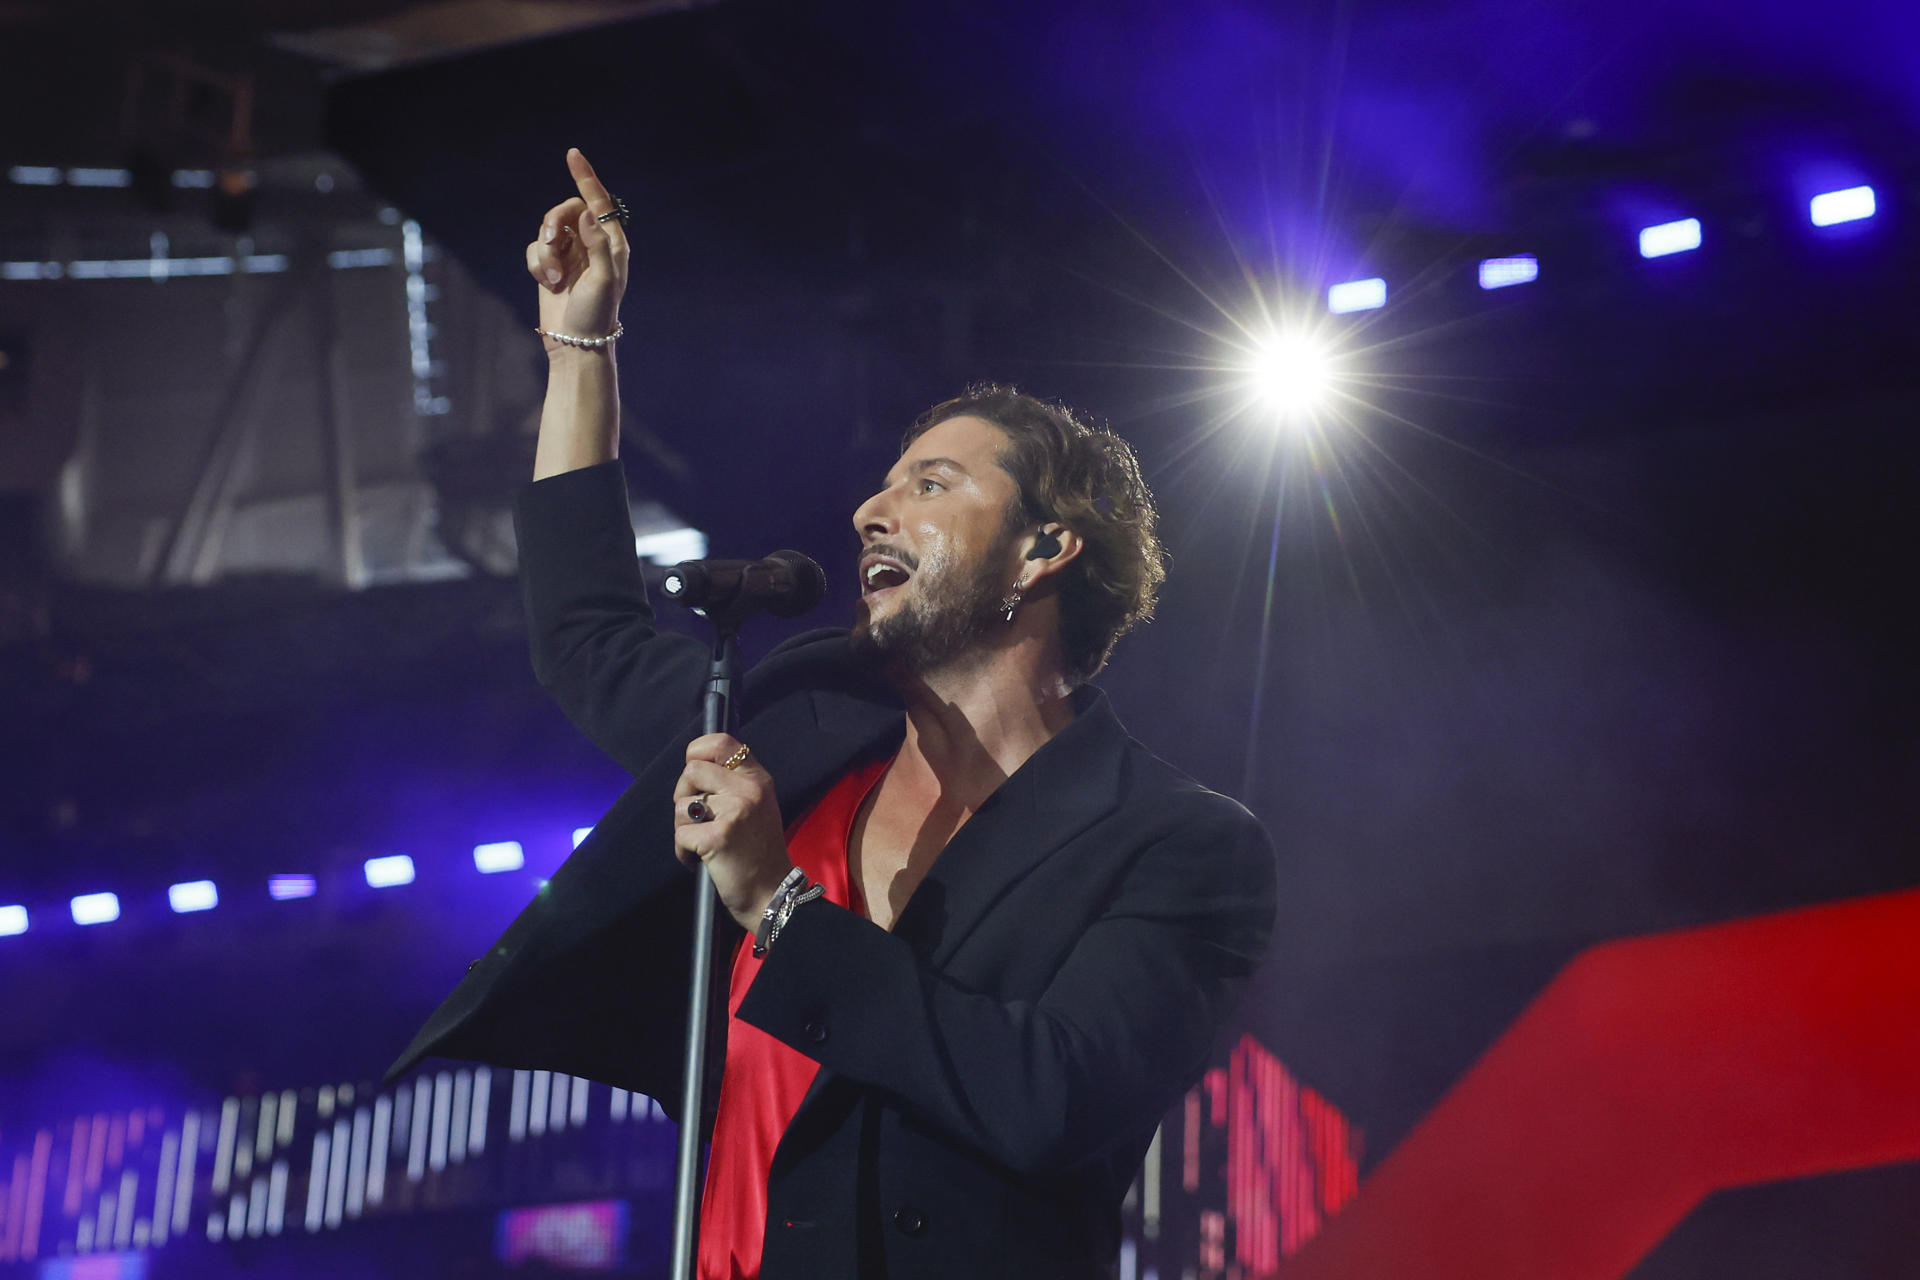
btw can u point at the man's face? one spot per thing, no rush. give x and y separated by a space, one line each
936 557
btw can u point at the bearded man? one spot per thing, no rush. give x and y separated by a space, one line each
984 938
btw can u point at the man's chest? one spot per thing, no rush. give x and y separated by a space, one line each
896 838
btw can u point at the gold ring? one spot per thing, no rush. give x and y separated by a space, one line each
737 759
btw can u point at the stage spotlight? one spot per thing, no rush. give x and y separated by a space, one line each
193 895
1357 295
13 920
1670 237
503 855
393 870
1850 205
1292 375
579 834
286 888
1503 273
95 908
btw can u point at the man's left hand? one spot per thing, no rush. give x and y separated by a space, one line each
743 842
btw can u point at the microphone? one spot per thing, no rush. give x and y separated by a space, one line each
786 584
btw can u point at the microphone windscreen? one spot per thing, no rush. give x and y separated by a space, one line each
809 584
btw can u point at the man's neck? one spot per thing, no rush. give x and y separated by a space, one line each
969 729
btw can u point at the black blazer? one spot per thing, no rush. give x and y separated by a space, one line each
992 1068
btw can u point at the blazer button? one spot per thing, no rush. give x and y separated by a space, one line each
815 1032
909 1219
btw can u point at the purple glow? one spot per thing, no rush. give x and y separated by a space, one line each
577 1237
284 888
1357 295
1833 207
13 921
193 895
1502 273
502 855
95 908
99 1266
389 872
1670 237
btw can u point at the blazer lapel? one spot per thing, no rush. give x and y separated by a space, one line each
1066 786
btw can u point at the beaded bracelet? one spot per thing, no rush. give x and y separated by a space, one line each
588 344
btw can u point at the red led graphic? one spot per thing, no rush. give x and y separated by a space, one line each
1650 1073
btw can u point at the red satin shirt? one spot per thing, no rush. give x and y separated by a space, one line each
765 1080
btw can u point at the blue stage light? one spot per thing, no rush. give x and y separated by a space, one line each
1670 237
503 855
13 920
1502 273
193 895
95 908
390 871
285 888
1833 207
579 834
1357 295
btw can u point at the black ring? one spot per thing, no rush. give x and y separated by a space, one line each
699 810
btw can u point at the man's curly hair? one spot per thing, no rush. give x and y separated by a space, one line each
1084 477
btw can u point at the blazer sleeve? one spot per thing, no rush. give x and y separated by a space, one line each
631 687
1125 1025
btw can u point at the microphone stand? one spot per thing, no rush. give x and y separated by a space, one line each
722 670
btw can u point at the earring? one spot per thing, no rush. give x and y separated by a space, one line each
1008 605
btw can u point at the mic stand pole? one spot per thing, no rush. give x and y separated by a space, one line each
721 673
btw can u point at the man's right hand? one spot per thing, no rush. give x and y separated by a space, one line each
579 263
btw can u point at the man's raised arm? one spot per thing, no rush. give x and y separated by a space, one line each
580 262
628 686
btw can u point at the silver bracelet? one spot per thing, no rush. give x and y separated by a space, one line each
793 891
588 344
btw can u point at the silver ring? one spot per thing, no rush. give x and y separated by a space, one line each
619 211
699 810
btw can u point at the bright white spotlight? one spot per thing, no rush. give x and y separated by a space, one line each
579 834
95 908
1833 207
1357 295
393 870
1504 273
502 855
13 920
193 895
1670 237
1292 375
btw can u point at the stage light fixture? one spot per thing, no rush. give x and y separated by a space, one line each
1357 295
1291 375
579 834
1670 237
94 177
287 888
502 855
13 921
1504 273
193 895
1833 207
95 908
389 872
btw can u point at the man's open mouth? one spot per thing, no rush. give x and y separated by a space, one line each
880 573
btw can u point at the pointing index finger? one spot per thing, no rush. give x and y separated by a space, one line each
591 189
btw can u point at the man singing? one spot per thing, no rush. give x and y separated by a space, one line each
984 938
